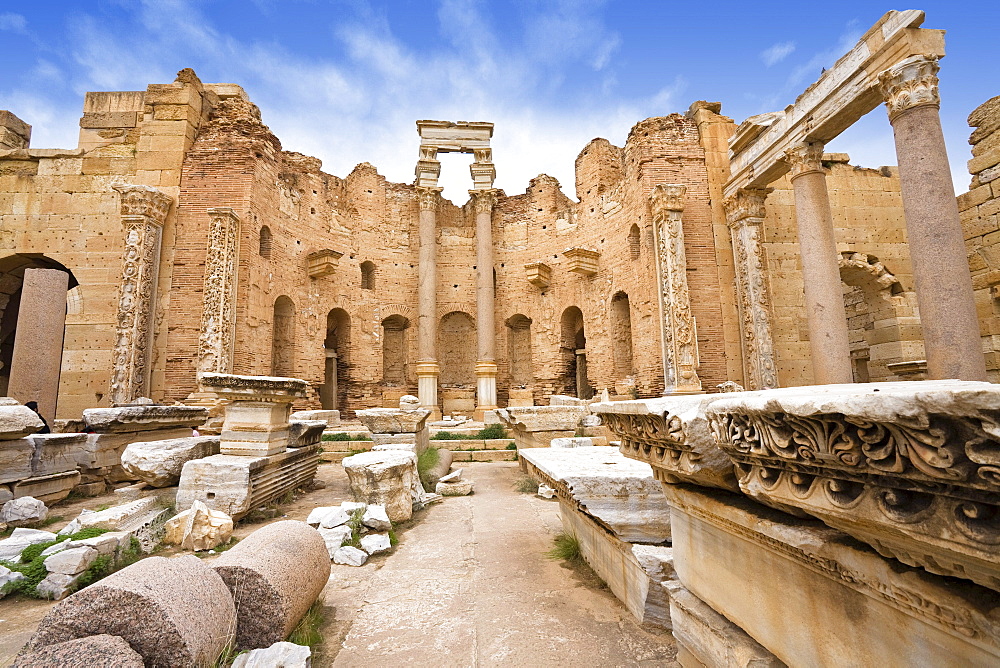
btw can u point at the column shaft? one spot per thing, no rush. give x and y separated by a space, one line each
38 342
829 342
486 368
427 366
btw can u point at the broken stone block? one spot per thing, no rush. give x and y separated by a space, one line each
101 650
17 422
274 575
546 492
105 450
12 546
376 518
173 612
5 494
572 442
384 478
457 488
49 488
536 426
159 463
330 417
25 511
57 586
15 459
72 561
435 473
56 453
334 518
117 518
454 476
375 543
199 528
334 538
105 544
305 432
316 515
283 654
350 556
351 506
8 579
144 418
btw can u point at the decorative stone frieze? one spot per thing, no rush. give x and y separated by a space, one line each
911 468
911 83
672 435
679 336
539 274
143 211
745 217
218 320
323 262
582 261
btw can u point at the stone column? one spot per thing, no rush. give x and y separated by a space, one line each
143 210
427 366
937 246
745 217
486 368
829 342
38 342
218 317
678 335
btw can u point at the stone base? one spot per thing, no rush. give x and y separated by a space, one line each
612 559
237 485
331 417
49 488
706 639
815 597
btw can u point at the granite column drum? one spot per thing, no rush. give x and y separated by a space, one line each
936 241
38 343
828 336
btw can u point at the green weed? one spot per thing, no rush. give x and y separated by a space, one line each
566 548
526 485
307 631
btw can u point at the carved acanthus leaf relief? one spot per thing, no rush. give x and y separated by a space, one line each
218 320
483 155
805 158
428 198
144 210
745 216
483 201
667 197
911 83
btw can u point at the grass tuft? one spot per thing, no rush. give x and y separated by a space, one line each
344 436
512 446
526 485
427 460
566 547
307 631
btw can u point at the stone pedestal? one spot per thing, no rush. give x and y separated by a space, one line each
427 387
38 342
256 421
536 426
384 478
486 389
402 426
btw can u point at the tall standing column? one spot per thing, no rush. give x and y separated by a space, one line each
937 247
38 341
143 210
829 342
428 369
486 368
745 217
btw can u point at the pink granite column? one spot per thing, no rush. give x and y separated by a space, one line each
486 368
427 364
937 246
38 342
829 342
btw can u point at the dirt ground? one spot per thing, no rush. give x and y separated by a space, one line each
468 585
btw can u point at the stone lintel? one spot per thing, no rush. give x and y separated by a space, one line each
254 388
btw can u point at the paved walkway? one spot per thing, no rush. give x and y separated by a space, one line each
469 585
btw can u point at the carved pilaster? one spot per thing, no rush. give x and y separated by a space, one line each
679 336
428 198
143 211
483 201
911 83
805 158
745 217
218 318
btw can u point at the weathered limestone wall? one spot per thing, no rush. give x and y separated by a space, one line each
980 212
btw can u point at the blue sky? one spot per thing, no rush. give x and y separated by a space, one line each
344 80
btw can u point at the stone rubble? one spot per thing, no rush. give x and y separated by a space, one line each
456 488
7 579
12 546
546 492
159 463
72 561
199 528
385 478
375 517
57 586
375 543
279 655
350 556
334 538
22 512
335 518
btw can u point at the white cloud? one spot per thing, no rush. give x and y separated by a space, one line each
776 53
13 22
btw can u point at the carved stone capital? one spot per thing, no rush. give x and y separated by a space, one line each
483 201
428 197
911 83
483 154
805 158
144 201
746 206
666 197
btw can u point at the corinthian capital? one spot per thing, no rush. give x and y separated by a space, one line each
911 83
746 205
428 198
483 200
144 201
804 158
666 197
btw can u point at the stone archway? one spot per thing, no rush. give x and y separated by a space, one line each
573 352
337 370
283 338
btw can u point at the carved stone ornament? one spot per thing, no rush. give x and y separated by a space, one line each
679 338
483 200
911 468
745 216
218 318
144 210
428 198
672 435
911 83
805 158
